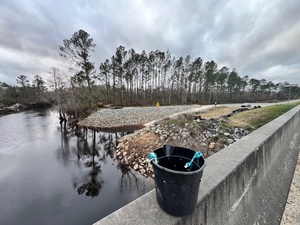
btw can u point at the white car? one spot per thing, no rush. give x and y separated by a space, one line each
245 104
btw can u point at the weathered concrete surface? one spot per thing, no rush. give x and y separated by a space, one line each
291 215
245 183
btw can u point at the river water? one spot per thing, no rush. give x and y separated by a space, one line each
50 175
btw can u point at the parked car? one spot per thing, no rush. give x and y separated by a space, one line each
246 104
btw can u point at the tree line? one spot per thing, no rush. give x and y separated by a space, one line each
25 92
133 78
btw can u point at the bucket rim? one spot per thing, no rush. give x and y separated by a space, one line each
180 172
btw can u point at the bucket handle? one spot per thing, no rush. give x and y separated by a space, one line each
152 157
196 155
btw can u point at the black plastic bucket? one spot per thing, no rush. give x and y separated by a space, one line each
177 187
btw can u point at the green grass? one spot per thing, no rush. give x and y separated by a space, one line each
256 118
250 120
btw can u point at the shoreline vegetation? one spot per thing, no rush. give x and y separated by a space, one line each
19 107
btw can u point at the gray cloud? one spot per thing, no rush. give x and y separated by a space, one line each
258 38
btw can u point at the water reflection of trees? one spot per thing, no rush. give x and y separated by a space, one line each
89 150
109 143
64 150
91 183
130 181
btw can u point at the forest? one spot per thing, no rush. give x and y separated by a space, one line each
131 78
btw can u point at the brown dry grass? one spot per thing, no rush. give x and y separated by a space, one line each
143 144
216 112
244 119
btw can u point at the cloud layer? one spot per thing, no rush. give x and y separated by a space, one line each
258 38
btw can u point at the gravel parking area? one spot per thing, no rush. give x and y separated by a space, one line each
132 116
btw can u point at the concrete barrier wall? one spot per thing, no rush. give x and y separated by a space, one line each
246 183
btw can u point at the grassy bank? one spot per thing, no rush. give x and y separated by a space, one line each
256 118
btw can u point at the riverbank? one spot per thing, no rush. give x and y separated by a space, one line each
191 126
202 130
18 107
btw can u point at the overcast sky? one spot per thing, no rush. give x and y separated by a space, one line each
260 39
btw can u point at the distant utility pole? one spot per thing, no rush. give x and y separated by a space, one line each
290 86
